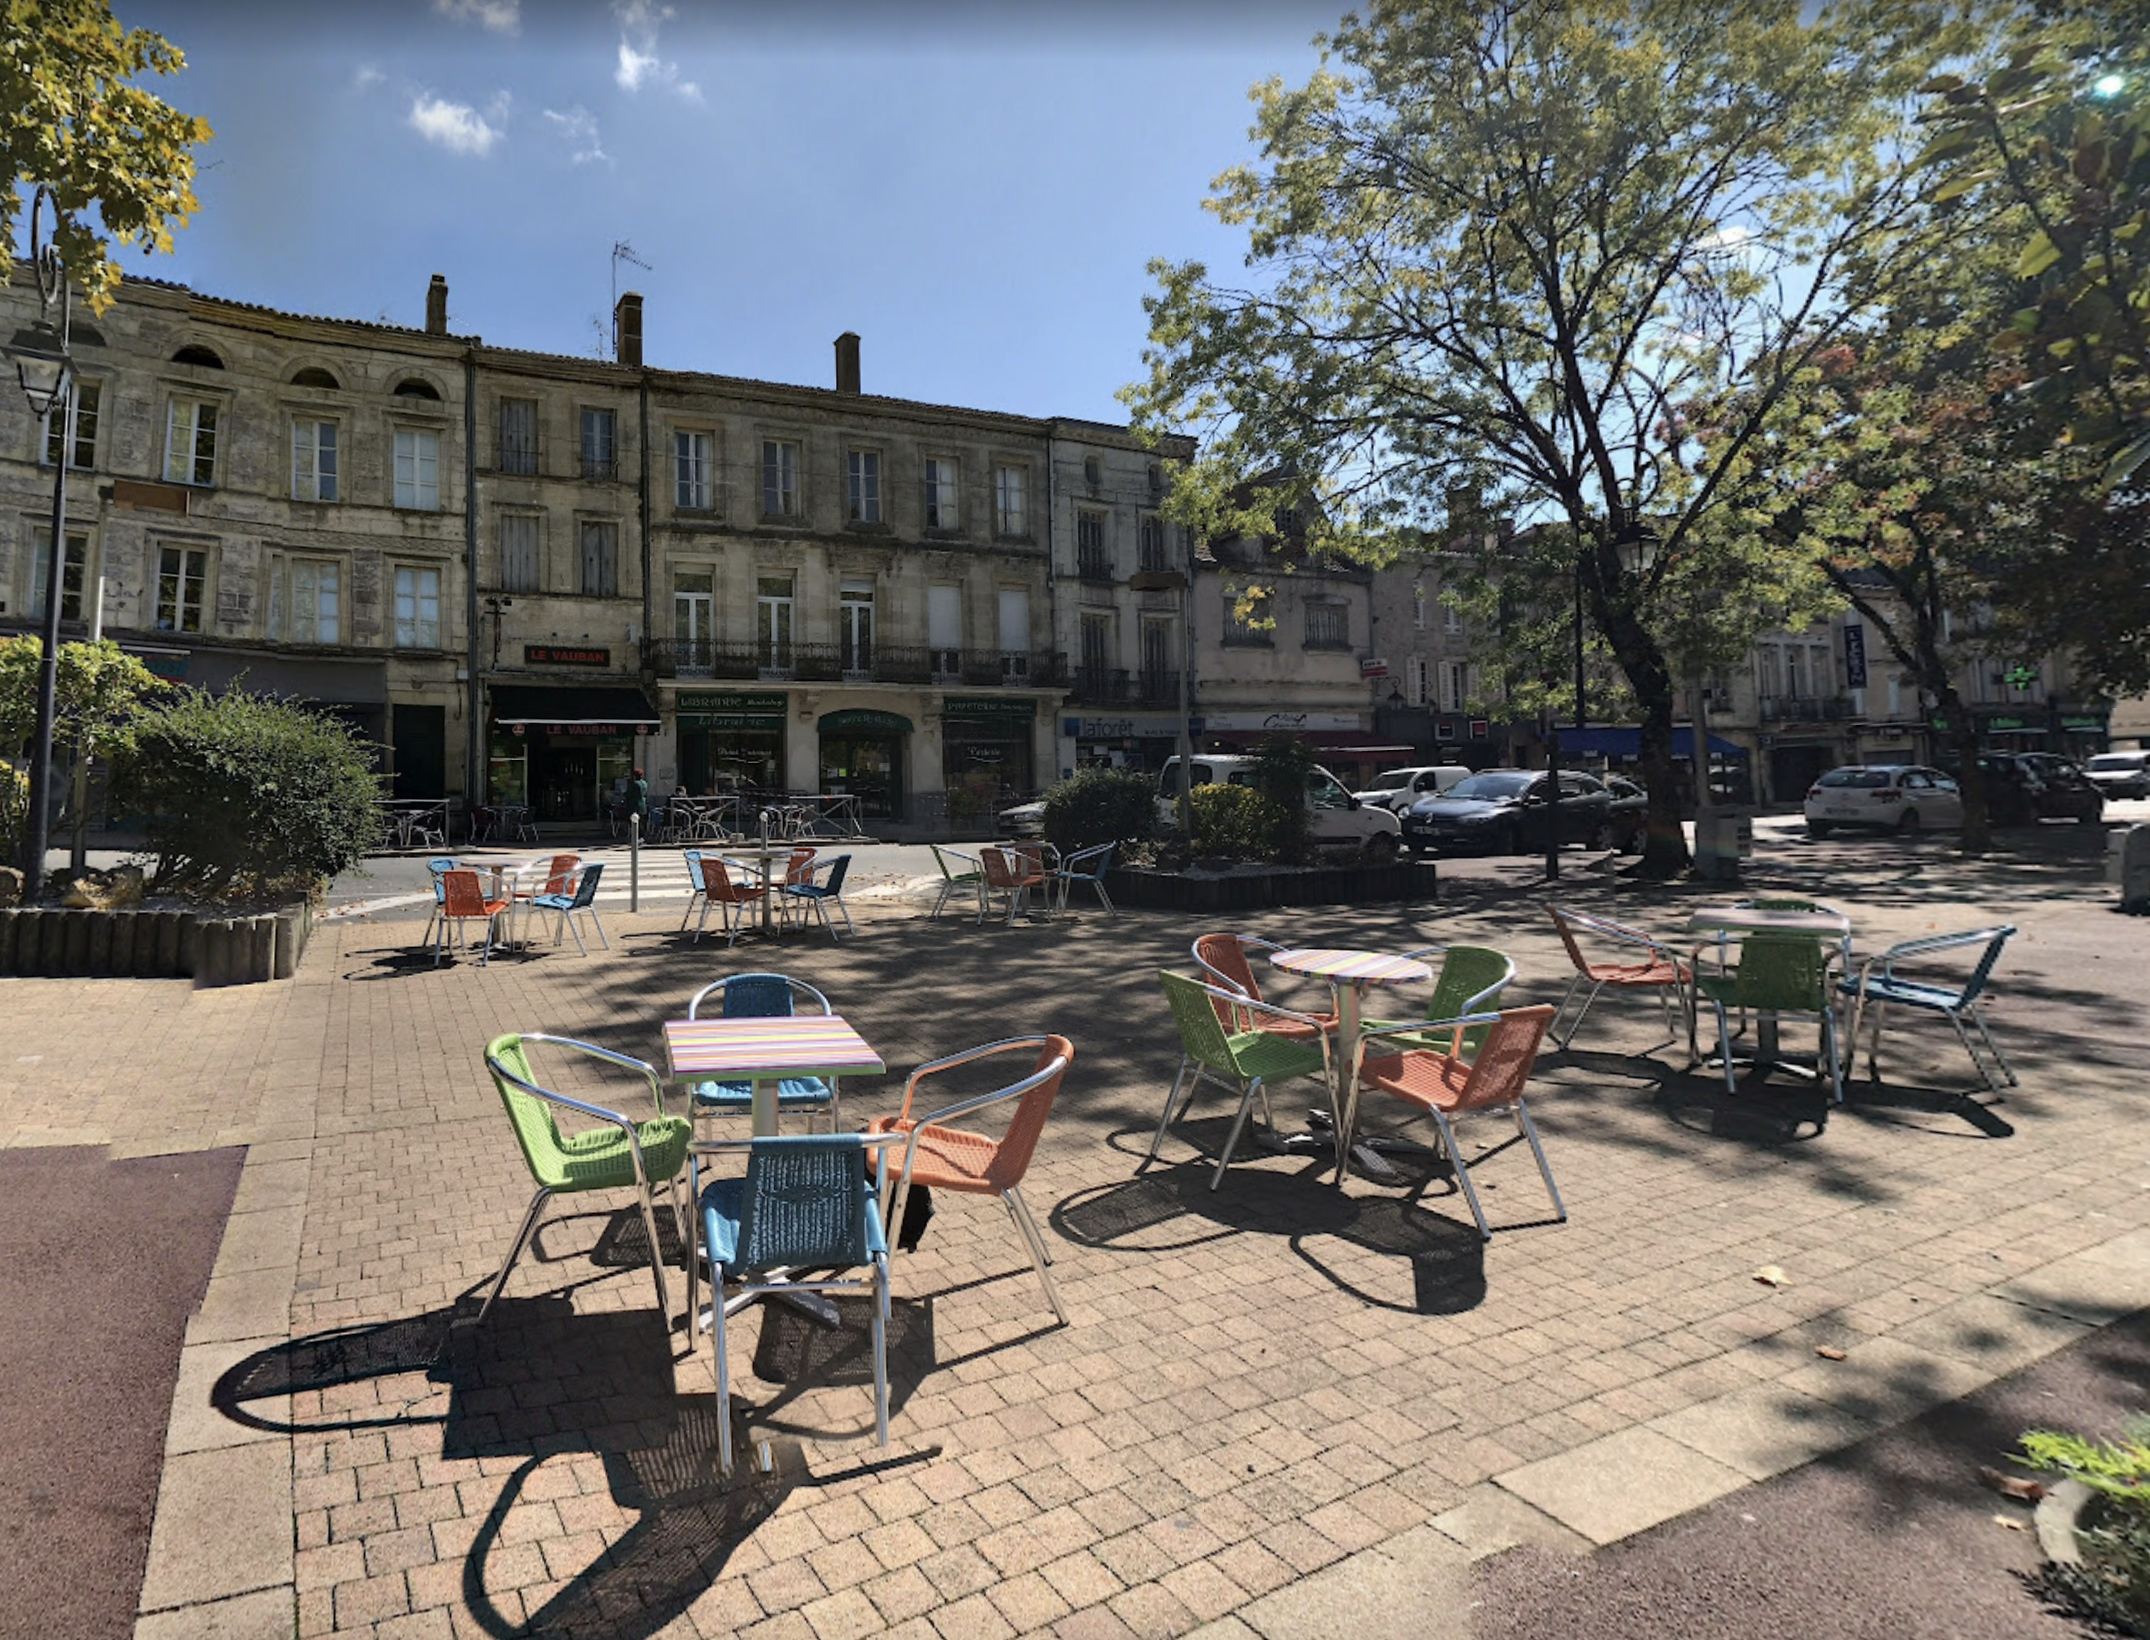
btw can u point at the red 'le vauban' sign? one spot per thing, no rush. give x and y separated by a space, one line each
560 654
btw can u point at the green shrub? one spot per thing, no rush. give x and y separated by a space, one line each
244 794
1101 806
2112 1585
1282 768
1231 823
14 810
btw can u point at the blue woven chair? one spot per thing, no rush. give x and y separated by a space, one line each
808 1202
762 996
1086 866
821 895
1957 1003
698 889
583 902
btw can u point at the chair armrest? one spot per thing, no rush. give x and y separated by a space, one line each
1458 1025
625 1062
1927 946
1015 1090
934 1067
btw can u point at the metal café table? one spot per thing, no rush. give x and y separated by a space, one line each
1726 921
1349 973
764 858
764 1052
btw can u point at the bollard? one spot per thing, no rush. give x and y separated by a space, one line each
634 862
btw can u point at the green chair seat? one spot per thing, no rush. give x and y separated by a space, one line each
600 1159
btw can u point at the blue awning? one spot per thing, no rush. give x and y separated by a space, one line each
1627 742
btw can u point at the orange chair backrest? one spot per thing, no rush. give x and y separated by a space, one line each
998 872
560 879
461 896
801 869
1504 1060
1223 954
1012 1159
1567 936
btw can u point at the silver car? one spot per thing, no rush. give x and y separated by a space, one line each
1906 798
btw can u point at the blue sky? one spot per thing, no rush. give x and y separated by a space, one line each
974 188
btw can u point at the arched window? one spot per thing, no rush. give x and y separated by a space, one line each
195 353
412 388
314 376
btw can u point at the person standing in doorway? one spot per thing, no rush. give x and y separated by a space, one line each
638 800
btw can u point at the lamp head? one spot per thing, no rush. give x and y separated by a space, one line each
41 363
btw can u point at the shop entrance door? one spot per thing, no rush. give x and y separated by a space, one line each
421 751
868 767
567 786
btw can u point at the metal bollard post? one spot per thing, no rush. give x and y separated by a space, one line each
634 862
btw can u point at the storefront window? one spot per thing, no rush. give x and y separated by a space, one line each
508 768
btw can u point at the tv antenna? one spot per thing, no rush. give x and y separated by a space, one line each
622 251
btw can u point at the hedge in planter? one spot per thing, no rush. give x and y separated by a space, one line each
244 793
1101 806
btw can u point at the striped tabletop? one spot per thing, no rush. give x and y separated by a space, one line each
1360 967
745 1049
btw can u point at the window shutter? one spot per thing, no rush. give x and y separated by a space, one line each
1014 621
944 617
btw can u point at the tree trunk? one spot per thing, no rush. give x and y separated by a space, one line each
1642 659
1970 773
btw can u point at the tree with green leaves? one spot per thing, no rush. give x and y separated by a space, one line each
102 692
1574 260
120 162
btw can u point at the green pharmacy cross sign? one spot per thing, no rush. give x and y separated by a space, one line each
2020 676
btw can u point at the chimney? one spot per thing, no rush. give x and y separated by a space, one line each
847 362
437 306
627 329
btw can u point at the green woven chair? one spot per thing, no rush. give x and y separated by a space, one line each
1777 974
624 1154
1243 1062
1470 981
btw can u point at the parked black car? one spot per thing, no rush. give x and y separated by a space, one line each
1629 813
1506 811
2023 788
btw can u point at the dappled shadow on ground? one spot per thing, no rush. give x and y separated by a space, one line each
1171 1207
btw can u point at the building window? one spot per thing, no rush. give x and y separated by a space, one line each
1455 685
779 478
72 573
313 461
86 398
944 629
773 611
1014 635
1421 691
417 469
518 552
1011 511
182 588
600 455
600 558
1090 560
190 442
694 608
417 607
519 437
1418 606
305 601
940 493
1246 616
1159 681
854 626
863 473
1328 626
1451 619
1151 534
690 470
1096 654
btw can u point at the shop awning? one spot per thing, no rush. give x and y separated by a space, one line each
1627 742
619 707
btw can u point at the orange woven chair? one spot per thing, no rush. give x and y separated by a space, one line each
1014 873
731 899
1651 966
1223 957
462 900
975 1164
1446 1084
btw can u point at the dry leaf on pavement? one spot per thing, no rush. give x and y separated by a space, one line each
1828 1352
2010 1487
1770 1275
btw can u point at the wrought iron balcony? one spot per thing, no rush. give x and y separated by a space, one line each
854 663
1805 708
1093 566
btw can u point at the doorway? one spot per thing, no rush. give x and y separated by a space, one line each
420 743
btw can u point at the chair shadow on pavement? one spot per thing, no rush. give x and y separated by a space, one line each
1170 1207
540 1381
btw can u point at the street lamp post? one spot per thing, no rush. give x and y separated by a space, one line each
44 365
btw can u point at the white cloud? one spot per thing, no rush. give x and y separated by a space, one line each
578 129
639 64
365 77
457 127
500 16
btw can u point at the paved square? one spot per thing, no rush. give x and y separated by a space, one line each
1256 1383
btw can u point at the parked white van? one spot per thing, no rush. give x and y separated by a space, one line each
1337 819
1397 789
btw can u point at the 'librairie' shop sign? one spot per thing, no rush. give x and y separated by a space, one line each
565 654
732 710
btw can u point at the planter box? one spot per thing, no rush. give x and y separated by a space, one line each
58 943
1142 886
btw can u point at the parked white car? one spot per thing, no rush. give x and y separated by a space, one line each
2120 774
1906 798
1337 819
1397 789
